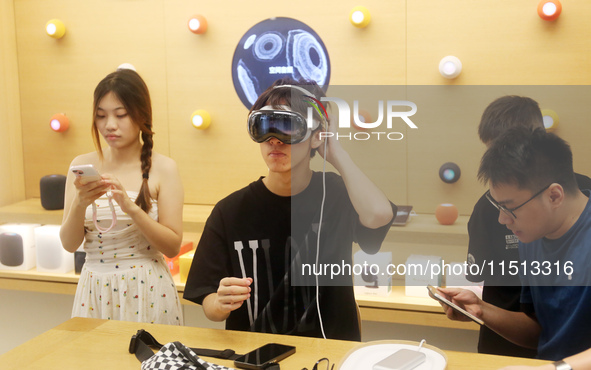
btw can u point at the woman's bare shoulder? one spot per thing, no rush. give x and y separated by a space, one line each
164 165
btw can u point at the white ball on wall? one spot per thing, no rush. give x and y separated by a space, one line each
450 67
127 66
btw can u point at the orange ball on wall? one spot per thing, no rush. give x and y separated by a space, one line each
549 10
446 213
197 24
59 122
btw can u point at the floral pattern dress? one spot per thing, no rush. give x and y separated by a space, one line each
124 278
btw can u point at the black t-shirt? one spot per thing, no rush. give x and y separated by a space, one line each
492 243
255 233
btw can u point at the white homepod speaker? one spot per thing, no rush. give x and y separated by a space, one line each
51 256
17 246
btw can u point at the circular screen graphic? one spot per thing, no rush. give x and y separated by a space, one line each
276 48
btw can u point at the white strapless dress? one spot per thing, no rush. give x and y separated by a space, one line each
123 278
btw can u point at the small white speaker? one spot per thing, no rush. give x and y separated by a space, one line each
51 256
17 246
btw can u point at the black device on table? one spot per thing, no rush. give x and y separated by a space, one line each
402 215
263 356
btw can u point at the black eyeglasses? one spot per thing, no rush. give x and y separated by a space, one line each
317 365
510 211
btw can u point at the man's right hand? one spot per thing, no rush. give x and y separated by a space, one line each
464 298
232 293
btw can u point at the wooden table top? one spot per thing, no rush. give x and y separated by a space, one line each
103 344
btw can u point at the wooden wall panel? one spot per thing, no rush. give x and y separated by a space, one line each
59 76
11 154
222 159
499 43
184 72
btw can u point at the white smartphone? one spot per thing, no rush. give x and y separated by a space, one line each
403 359
435 295
86 171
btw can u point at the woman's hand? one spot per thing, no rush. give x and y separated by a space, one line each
88 192
80 193
119 194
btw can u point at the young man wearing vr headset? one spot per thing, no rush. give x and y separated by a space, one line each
247 268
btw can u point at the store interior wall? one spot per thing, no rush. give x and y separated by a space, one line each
501 43
12 181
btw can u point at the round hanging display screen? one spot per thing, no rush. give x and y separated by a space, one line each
276 48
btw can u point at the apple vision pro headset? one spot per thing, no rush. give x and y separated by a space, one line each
284 124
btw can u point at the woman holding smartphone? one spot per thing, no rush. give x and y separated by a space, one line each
130 217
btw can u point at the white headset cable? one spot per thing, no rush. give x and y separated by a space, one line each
319 227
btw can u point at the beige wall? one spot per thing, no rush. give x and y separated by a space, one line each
501 42
12 185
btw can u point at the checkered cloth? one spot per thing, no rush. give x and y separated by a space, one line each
176 356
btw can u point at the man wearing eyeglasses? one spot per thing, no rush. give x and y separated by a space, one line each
533 186
492 242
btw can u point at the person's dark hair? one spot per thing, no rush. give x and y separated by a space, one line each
132 92
293 98
507 112
529 160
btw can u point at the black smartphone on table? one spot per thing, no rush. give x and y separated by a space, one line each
263 356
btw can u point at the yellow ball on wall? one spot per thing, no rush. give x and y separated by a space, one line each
551 120
201 119
55 28
360 16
